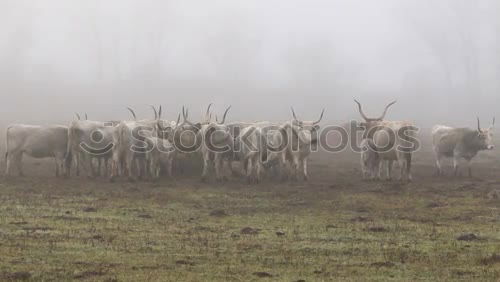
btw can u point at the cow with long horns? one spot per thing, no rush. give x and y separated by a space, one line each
292 143
216 147
460 143
393 140
132 146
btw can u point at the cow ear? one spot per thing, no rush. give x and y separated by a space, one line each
316 127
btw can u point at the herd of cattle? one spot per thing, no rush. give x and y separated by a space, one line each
146 148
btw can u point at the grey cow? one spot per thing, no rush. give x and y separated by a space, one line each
37 142
460 143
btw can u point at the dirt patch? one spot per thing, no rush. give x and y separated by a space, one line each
184 262
493 259
15 276
145 216
383 264
250 231
468 237
263 274
88 274
361 219
89 209
218 213
377 229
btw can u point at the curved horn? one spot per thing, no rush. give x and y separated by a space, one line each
224 116
321 116
493 123
154 110
86 117
294 115
132 112
360 109
178 119
478 125
183 113
208 110
78 116
386 108
159 112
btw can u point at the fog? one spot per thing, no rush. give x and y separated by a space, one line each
439 59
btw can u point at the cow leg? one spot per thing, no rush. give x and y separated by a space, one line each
249 170
455 166
439 167
114 170
130 168
170 164
106 168
295 168
409 177
390 164
218 167
304 167
206 162
258 168
77 163
8 164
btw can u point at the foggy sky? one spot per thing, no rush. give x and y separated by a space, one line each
439 58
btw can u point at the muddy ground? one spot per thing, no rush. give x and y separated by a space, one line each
335 227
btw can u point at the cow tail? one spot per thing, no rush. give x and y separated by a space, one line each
7 143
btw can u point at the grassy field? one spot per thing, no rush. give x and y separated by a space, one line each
336 227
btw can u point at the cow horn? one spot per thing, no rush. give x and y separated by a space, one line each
154 110
86 117
321 116
294 115
159 112
208 110
493 123
78 116
132 112
478 125
224 116
178 119
360 108
386 108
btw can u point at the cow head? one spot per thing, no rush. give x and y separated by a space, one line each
306 131
371 123
485 136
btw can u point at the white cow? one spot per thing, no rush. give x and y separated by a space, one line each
37 142
460 143
216 147
90 141
395 141
302 137
131 146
